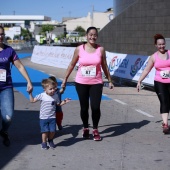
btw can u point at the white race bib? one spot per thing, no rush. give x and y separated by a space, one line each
165 74
88 71
3 75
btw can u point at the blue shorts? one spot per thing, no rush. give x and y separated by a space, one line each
48 125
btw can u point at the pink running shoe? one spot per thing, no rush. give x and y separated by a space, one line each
165 129
96 136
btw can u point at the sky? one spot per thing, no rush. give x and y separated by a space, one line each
56 9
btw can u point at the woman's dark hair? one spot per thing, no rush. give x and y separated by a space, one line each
91 28
157 37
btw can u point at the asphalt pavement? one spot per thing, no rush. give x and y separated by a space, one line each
130 127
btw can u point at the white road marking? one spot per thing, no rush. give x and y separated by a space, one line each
42 71
52 75
144 113
120 102
104 94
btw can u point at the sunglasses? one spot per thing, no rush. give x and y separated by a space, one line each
2 34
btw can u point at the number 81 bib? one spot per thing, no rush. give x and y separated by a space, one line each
88 71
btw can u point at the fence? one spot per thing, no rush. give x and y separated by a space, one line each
21 44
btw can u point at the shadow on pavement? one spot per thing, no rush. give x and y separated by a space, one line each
113 129
24 131
120 129
72 130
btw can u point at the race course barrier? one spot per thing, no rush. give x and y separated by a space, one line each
120 65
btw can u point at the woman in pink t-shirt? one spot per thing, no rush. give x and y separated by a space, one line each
161 61
89 84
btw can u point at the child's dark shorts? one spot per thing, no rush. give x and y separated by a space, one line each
48 125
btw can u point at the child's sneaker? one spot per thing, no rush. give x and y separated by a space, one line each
85 133
51 144
165 128
6 140
44 146
96 136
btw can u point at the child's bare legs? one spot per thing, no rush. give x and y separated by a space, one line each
51 135
44 140
50 139
47 135
44 137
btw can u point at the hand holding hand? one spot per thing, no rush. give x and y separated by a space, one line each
67 100
62 90
111 86
63 85
29 87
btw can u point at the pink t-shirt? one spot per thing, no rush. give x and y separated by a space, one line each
89 69
162 67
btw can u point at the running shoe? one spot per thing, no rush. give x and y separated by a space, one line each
85 133
165 129
164 124
6 140
51 144
44 146
96 136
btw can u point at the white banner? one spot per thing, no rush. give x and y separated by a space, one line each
120 65
129 66
52 55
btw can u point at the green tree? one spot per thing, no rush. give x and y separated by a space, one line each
46 28
26 34
16 37
81 30
60 36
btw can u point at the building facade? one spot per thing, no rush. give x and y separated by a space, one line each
97 19
134 26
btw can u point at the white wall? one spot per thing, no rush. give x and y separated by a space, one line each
10 32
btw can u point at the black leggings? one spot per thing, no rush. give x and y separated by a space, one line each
163 93
94 93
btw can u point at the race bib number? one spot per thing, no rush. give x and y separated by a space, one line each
165 74
88 71
3 75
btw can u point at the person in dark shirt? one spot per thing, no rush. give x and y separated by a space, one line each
8 56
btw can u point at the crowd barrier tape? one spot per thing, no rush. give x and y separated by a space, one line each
120 65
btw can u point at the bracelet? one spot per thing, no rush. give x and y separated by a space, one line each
110 81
